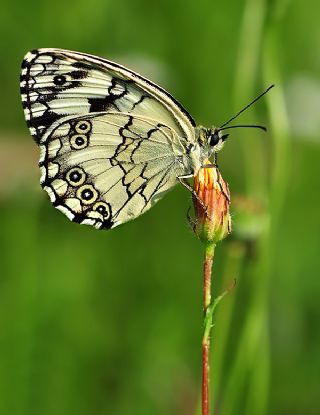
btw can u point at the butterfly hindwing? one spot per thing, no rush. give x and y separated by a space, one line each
104 169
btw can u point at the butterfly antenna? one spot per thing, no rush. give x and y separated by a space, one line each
244 125
246 107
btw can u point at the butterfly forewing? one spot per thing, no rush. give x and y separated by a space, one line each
56 83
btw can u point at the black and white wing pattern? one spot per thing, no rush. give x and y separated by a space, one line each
56 83
112 142
104 169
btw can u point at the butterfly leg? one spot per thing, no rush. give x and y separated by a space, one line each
187 186
191 221
222 189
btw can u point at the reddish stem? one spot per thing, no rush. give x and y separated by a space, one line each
205 378
207 270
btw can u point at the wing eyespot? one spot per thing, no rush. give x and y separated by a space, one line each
83 127
79 141
87 194
103 208
76 176
59 80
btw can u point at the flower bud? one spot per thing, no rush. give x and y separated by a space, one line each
211 202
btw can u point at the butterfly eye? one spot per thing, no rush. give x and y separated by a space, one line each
214 139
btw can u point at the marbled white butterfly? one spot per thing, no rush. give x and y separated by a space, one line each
111 142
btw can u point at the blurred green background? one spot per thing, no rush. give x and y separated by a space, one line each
110 322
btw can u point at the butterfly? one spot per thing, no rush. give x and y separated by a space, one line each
112 143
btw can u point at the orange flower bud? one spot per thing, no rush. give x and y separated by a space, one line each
213 221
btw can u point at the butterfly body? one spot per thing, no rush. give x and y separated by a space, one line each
111 142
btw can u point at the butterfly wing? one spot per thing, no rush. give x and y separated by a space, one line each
110 139
57 83
104 169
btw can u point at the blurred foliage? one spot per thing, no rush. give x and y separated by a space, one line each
110 322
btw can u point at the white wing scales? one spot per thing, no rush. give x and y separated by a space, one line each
111 142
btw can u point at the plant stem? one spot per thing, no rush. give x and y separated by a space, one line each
207 272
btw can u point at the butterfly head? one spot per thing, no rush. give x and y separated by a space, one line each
215 139
211 140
